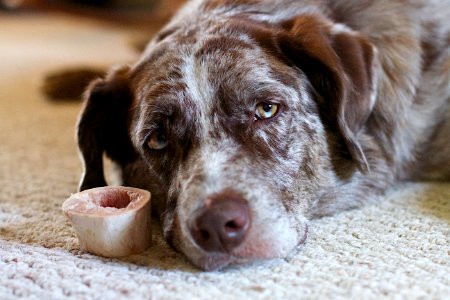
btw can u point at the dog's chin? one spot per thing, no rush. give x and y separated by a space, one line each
214 261
248 252
218 261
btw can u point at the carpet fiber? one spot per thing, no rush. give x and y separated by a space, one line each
397 247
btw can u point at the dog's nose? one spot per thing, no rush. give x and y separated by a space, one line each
222 224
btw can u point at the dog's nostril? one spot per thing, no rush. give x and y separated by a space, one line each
204 234
231 225
223 224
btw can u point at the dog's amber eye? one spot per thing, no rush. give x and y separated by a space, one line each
265 111
158 140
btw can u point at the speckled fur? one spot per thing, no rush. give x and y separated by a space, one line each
203 75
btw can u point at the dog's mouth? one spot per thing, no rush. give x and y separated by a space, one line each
211 261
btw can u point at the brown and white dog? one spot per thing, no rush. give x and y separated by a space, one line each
245 119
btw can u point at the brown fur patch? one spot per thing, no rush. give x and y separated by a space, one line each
69 84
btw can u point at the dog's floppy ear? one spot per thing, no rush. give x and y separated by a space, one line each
339 64
103 126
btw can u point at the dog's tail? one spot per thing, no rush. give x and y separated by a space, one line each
69 85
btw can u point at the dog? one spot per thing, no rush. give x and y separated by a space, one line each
247 118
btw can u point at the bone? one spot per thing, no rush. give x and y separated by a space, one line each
111 221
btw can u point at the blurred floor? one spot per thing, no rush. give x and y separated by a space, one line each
155 13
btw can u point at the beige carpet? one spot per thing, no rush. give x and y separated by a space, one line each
397 248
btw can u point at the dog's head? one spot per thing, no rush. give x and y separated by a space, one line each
237 128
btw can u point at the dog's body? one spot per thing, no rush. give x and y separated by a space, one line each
247 118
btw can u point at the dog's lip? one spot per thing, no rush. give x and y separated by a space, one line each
216 261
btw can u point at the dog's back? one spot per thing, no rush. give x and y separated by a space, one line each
412 113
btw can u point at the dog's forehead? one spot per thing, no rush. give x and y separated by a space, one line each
201 63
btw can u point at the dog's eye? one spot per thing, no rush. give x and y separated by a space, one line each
157 140
266 110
